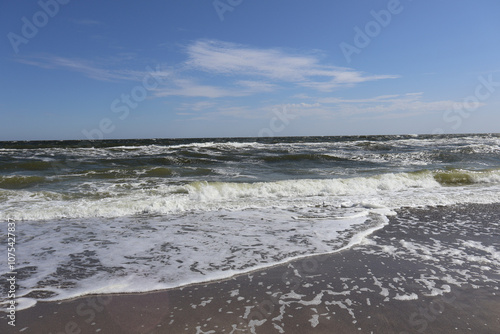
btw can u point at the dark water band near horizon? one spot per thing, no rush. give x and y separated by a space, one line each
123 216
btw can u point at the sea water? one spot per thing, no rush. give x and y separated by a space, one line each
140 215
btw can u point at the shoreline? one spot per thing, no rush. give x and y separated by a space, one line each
372 287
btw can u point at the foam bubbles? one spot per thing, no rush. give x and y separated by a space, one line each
147 253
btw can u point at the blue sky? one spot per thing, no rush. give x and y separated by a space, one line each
228 68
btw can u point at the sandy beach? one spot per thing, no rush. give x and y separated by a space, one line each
380 286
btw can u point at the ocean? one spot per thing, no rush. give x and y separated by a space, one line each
115 216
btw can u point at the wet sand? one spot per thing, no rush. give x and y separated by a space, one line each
430 270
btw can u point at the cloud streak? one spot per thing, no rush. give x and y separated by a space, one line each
87 68
242 71
389 106
272 64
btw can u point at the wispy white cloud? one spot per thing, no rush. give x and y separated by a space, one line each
252 86
191 88
197 106
378 107
272 64
225 112
392 106
246 71
179 86
90 69
376 99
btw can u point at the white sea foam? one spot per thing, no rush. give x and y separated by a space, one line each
411 296
153 196
148 253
